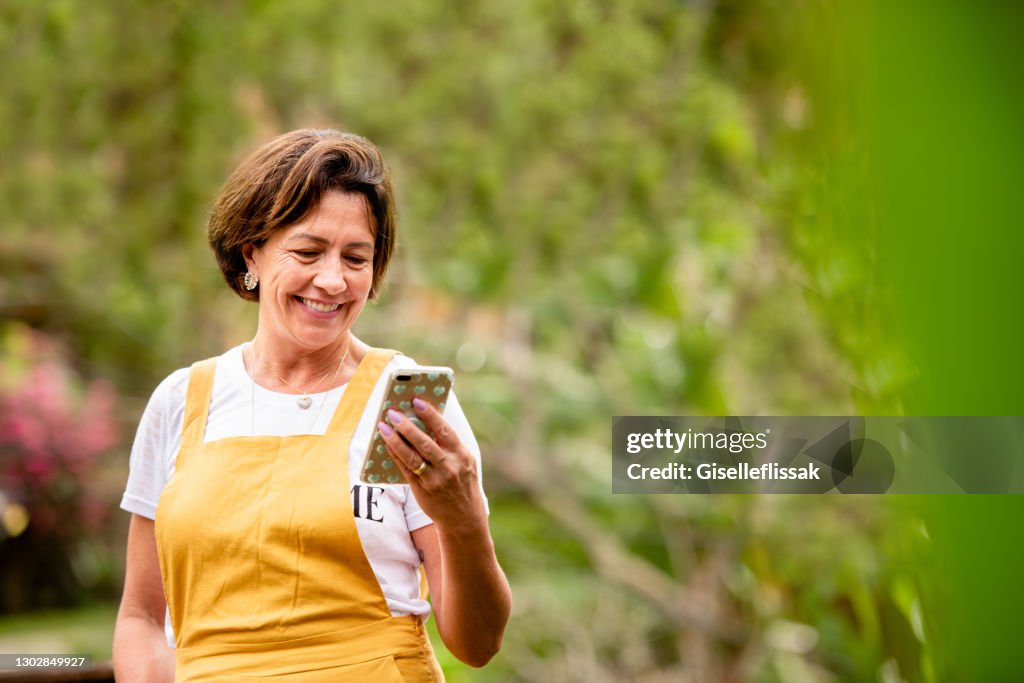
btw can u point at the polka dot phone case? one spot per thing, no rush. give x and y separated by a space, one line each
430 384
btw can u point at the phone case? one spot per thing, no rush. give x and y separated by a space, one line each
431 384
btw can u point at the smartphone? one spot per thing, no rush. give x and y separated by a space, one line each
431 384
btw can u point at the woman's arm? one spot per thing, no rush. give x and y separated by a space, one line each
469 592
471 596
140 646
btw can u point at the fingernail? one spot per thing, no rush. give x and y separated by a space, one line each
419 404
396 417
385 429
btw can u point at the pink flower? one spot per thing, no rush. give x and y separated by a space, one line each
54 430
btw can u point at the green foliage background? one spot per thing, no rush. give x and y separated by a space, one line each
606 208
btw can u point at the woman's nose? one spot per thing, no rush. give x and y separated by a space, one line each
331 278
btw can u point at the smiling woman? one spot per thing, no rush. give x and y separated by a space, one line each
246 557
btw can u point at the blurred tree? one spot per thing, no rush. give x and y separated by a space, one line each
606 208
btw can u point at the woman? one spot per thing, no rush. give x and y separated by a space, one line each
268 557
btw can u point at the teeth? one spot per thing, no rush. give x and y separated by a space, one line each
317 306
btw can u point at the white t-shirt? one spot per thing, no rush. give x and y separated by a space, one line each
384 514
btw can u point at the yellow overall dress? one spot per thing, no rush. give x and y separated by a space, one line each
263 570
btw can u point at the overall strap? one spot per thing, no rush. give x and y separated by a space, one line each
197 402
357 393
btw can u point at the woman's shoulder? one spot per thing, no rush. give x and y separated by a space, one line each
173 388
400 360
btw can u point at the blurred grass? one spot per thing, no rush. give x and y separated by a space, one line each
85 631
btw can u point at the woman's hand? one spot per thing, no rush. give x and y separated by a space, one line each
441 471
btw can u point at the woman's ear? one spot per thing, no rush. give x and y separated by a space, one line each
247 254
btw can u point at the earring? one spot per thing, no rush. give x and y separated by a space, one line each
250 280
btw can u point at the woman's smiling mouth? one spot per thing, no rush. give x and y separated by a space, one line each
318 306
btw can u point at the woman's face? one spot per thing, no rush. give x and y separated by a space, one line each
315 275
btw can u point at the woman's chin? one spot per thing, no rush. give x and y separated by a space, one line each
320 338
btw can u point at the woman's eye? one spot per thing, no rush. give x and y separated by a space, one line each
306 254
356 260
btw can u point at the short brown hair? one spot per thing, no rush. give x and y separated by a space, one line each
284 180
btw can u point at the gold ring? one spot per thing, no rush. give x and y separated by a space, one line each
422 468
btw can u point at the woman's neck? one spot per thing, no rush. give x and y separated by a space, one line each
302 371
